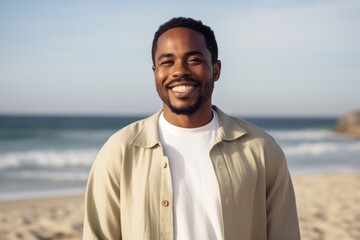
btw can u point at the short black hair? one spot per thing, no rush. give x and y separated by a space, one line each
195 25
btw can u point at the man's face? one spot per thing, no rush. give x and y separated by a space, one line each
183 70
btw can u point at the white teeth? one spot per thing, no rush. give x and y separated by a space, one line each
183 88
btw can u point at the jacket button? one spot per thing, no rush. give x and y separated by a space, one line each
165 203
163 164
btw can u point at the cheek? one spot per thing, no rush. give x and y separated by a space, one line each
160 76
205 72
160 79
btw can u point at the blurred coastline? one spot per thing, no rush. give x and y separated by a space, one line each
52 155
44 162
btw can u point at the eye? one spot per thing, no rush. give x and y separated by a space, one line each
195 60
166 62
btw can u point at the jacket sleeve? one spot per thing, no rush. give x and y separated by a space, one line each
102 199
282 219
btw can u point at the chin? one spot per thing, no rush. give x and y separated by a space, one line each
187 110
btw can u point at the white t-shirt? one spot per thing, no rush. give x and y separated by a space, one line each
197 205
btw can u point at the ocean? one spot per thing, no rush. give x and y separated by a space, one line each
42 156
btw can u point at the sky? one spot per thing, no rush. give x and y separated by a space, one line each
279 58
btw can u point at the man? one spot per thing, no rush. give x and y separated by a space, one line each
190 171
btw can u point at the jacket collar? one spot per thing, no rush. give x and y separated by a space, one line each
229 127
148 136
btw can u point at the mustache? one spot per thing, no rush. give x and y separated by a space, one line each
182 79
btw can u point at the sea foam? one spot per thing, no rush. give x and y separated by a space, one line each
322 148
47 158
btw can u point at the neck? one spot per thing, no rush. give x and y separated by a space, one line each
199 118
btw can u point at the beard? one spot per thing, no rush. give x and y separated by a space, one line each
186 110
189 110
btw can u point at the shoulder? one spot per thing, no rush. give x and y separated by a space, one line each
240 134
120 144
136 133
234 128
254 132
255 144
258 138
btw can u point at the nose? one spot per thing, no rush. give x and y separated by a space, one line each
181 69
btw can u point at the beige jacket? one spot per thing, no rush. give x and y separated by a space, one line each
129 193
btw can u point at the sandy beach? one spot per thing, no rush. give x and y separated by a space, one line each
43 218
328 207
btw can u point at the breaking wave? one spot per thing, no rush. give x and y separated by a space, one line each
323 148
47 158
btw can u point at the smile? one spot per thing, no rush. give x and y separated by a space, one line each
183 88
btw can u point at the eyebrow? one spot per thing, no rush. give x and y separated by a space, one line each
167 55
194 53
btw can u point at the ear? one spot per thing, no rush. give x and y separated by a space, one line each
217 70
153 69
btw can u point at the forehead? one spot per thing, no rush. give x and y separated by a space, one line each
180 39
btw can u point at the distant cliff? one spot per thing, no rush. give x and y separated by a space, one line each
349 124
